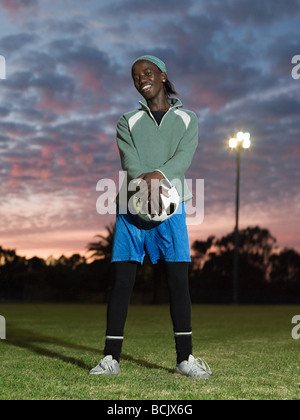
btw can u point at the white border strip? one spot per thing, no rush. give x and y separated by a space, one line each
183 333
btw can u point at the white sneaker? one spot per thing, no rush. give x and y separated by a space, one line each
106 366
195 368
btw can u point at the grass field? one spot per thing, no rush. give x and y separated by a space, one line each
50 348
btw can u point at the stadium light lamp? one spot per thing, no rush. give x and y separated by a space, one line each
241 141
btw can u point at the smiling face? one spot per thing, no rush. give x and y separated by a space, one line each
148 79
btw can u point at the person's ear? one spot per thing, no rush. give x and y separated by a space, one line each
164 77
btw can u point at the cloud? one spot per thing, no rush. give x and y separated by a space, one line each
69 82
14 43
134 7
18 6
72 27
248 12
280 53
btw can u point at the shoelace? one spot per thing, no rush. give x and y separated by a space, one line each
203 365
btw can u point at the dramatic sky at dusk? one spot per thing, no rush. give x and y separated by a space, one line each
68 82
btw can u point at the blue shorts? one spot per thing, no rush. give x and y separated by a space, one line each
166 241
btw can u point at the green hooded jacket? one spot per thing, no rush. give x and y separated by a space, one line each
146 147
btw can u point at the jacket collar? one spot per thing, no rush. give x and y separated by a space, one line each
174 102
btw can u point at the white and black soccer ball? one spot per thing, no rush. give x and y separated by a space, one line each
171 205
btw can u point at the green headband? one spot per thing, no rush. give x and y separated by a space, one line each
160 64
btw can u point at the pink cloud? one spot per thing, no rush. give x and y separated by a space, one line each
52 102
61 160
16 170
86 159
291 152
47 151
15 6
75 147
88 79
206 95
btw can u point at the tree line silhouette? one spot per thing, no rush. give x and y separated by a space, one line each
267 274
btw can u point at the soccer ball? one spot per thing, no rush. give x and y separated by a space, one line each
170 204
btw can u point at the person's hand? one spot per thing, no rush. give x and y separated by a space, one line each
150 192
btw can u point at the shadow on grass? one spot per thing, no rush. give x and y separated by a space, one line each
30 340
146 364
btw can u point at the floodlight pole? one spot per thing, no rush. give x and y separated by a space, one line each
236 232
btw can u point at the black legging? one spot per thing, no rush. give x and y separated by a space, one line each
180 307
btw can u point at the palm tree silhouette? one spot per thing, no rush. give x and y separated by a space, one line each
7 256
103 248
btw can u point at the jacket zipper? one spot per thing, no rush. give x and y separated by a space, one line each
151 115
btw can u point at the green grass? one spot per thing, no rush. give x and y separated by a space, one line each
50 348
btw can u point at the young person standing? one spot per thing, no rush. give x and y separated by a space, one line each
156 143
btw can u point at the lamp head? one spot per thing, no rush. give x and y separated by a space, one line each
233 143
242 140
